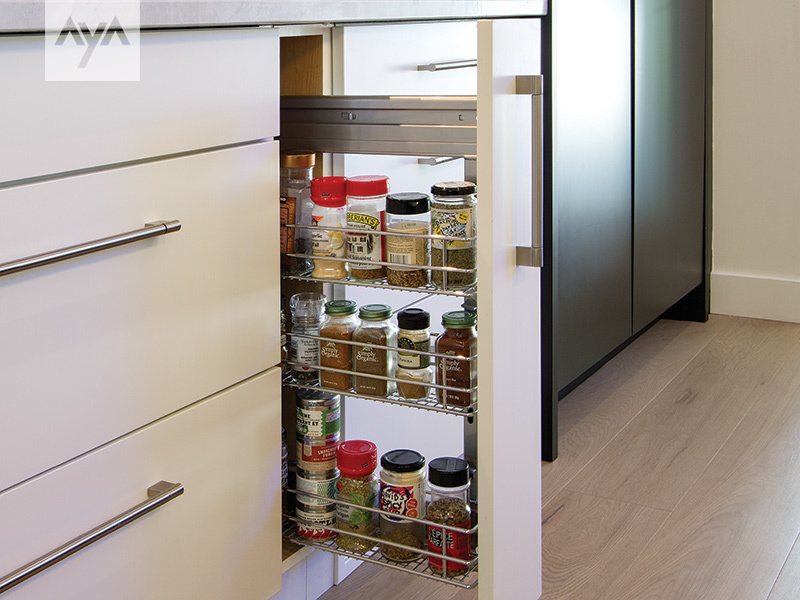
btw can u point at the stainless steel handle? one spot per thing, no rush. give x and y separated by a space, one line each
446 66
39 260
533 256
158 495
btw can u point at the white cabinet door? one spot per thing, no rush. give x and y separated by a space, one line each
219 540
96 346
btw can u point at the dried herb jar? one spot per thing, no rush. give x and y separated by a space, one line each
359 484
402 493
448 482
453 213
375 328
340 323
408 213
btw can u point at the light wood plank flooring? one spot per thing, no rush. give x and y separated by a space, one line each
677 477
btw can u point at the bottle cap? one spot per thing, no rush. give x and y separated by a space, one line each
298 160
414 318
459 318
340 307
357 458
368 185
448 472
403 461
329 191
408 203
453 188
375 312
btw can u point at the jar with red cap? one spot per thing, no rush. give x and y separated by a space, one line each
329 197
366 210
357 484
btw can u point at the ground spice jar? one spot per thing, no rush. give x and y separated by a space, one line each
458 341
375 330
414 334
329 197
402 493
296 170
340 323
366 210
358 484
318 414
453 213
306 310
408 213
448 481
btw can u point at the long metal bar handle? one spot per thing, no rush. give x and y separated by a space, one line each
533 256
446 66
149 230
158 495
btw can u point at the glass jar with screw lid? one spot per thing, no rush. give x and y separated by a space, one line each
453 213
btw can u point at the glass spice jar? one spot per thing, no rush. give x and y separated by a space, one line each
408 213
340 323
448 482
375 330
453 214
414 334
306 309
366 210
459 341
296 170
329 197
402 493
358 484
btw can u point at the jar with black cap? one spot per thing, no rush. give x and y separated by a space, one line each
414 334
408 214
448 481
402 494
453 213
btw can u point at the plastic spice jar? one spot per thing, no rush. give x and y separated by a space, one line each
375 330
409 214
329 197
366 210
402 493
296 170
448 481
318 414
358 484
340 323
453 214
306 311
414 334
459 341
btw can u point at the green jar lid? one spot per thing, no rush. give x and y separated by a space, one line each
375 312
340 307
459 318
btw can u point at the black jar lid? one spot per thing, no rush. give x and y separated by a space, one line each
414 318
403 461
408 203
453 188
340 307
459 318
448 471
375 312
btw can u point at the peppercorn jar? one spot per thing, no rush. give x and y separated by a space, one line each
357 484
414 334
402 493
329 197
296 170
453 213
459 343
366 210
448 482
374 331
408 214
306 309
340 323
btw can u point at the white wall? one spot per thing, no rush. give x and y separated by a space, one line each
756 169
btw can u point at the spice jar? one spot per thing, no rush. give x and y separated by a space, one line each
306 310
459 341
284 349
402 493
408 213
296 170
329 197
448 481
375 328
414 334
453 214
340 323
366 210
318 414
358 484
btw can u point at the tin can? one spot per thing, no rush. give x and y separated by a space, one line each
317 455
322 484
316 519
318 414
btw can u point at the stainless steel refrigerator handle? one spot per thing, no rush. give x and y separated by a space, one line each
39 260
446 66
532 85
158 495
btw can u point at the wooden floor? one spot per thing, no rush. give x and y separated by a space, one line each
677 477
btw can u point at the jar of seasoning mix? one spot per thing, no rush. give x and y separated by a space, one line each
402 493
358 484
459 341
453 213
408 213
318 414
375 330
448 481
414 334
306 311
340 323
329 197
296 170
366 210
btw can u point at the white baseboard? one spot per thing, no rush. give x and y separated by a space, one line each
755 297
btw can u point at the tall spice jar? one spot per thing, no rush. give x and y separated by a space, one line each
402 494
448 482
375 330
340 323
366 210
408 213
458 343
414 334
453 213
358 484
306 309
328 195
296 170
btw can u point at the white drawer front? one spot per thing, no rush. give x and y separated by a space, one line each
98 345
220 539
198 89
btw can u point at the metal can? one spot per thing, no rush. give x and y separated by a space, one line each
318 414
316 519
322 484
316 455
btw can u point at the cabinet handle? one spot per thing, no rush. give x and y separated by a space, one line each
39 260
446 66
532 85
158 495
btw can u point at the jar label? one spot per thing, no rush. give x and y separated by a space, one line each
455 223
316 458
319 519
413 361
365 247
407 250
457 545
305 351
325 242
315 423
324 487
406 500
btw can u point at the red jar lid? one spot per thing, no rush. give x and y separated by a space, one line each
357 458
368 185
329 191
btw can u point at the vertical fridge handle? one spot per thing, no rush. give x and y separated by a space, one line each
532 85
